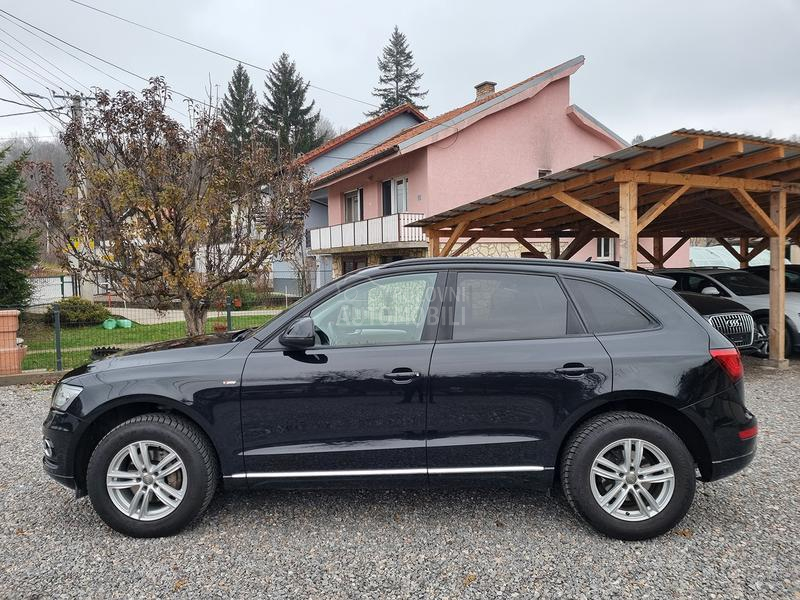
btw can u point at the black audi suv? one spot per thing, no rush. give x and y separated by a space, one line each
429 372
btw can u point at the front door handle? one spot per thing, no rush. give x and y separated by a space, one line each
574 370
402 375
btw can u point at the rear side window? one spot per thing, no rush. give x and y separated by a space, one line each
603 310
507 306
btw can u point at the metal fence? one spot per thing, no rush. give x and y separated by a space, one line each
66 334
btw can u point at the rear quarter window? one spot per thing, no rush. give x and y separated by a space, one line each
605 311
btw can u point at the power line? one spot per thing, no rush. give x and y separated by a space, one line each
17 103
78 58
45 59
30 112
96 57
47 80
209 50
19 93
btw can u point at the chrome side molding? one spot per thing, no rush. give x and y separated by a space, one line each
389 472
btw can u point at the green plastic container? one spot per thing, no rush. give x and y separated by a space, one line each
109 324
124 323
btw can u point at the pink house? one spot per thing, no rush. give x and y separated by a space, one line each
497 141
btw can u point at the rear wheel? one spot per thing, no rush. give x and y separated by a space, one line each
628 475
152 475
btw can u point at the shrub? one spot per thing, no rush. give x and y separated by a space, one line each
247 292
78 311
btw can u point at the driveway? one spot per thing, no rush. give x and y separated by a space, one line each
739 540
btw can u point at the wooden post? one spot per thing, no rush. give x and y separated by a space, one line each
628 225
658 252
777 281
555 246
433 242
744 249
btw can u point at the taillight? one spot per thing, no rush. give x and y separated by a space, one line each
750 432
730 360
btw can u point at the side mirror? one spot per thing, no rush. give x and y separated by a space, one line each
710 291
300 334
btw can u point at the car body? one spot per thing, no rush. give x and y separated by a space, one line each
745 288
792 275
427 372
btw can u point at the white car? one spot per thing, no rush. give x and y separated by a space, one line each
747 289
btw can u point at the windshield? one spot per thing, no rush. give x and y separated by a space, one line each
743 283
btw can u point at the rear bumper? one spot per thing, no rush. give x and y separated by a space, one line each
729 466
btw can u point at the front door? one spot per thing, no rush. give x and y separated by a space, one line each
352 408
512 360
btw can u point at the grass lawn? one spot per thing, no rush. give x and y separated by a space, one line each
40 336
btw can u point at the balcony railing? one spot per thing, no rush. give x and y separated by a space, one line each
380 230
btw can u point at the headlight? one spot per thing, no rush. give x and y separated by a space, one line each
64 394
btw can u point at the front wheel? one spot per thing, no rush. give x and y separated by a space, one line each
152 475
761 347
628 475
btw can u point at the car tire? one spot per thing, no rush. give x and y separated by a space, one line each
762 327
647 509
152 475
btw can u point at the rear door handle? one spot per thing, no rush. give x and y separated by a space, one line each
574 370
402 375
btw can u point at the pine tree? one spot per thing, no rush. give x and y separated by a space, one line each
240 108
285 116
399 78
18 251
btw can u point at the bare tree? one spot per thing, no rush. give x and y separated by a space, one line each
164 211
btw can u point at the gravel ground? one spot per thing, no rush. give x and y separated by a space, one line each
739 540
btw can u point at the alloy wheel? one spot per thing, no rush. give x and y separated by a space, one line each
632 479
146 480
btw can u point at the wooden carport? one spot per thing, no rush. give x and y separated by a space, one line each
684 184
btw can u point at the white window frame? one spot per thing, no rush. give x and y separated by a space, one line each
600 248
394 180
359 199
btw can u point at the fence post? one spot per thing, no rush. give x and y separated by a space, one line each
57 327
228 309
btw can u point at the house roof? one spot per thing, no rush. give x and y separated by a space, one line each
427 129
359 129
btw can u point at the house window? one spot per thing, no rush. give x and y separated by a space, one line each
354 206
605 248
394 194
544 172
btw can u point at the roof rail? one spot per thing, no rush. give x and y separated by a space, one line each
543 262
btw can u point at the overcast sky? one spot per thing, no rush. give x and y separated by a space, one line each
651 67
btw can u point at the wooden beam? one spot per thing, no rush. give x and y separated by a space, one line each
433 242
649 257
658 252
451 241
628 225
772 168
758 214
582 238
589 211
555 246
705 181
745 162
777 280
744 248
792 222
531 248
460 250
659 207
758 249
675 247
714 154
692 144
733 251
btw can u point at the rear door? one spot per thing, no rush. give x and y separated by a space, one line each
511 362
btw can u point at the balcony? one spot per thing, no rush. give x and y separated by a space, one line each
390 229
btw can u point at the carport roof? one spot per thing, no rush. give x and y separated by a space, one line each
705 165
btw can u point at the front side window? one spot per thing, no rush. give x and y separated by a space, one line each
743 283
507 306
698 283
604 311
390 310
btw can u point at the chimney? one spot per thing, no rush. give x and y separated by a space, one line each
483 89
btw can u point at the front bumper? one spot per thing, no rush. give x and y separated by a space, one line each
59 444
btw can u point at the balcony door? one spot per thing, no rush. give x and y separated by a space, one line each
354 206
394 193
